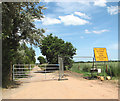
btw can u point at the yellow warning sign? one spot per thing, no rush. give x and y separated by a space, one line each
100 54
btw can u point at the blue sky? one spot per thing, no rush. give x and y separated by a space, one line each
85 24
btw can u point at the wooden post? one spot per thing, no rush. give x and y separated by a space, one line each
93 62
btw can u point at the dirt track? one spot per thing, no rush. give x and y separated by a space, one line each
73 88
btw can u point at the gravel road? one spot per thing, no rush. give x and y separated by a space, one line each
73 88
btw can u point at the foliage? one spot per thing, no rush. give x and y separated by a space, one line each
84 68
114 69
18 24
81 67
52 47
41 59
17 21
25 55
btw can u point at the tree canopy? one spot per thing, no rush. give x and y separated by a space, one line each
25 55
41 59
18 24
17 21
52 47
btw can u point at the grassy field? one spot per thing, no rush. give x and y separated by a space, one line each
110 68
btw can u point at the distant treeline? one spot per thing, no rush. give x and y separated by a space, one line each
92 61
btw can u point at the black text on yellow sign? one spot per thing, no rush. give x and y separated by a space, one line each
100 54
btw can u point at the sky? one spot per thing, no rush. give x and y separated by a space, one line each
85 24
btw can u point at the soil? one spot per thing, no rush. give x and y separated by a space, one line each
37 87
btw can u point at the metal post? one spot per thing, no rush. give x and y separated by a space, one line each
19 70
62 67
59 60
59 66
104 70
45 71
30 67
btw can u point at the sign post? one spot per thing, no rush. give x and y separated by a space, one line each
100 55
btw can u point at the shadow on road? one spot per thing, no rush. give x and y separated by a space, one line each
43 71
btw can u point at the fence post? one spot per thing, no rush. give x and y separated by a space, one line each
45 71
30 69
62 67
59 61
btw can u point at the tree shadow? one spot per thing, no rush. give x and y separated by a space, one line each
12 85
43 72
16 84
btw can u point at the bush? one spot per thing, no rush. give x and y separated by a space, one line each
41 59
114 69
86 69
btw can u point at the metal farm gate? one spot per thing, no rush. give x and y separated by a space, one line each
38 72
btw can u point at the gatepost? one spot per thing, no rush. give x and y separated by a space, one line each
61 68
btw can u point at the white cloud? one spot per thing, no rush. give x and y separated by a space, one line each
100 31
73 20
86 31
83 15
48 1
112 10
50 21
96 31
67 20
81 1
100 3
71 7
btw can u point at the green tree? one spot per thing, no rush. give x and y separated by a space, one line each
41 59
25 55
52 47
18 24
